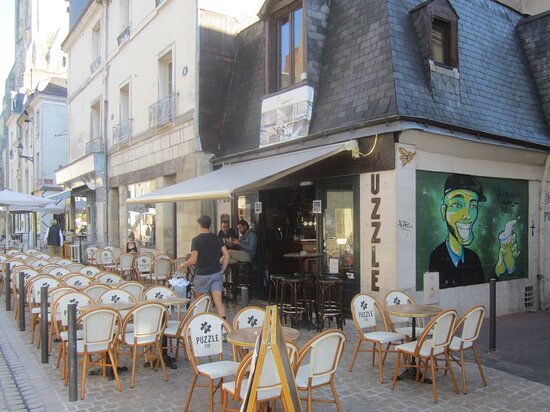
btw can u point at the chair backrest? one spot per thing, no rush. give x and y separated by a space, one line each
397 297
134 288
62 303
161 267
471 323
19 255
56 293
108 279
203 336
116 252
14 252
89 271
126 261
162 256
365 309
99 326
54 259
75 267
96 259
249 317
95 291
106 257
148 319
143 263
77 280
89 252
59 271
42 255
201 304
41 281
441 329
324 352
158 292
30 260
27 271
64 262
116 296
46 269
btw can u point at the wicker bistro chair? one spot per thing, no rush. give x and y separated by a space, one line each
75 267
148 321
39 263
324 352
249 317
125 264
158 292
400 324
161 270
470 324
427 350
90 271
95 291
174 328
35 292
59 272
60 313
100 328
108 279
29 273
90 254
53 295
203 337
64 262
364 310
142 266
76 280
108 262
136 289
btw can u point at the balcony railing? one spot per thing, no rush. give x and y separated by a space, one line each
163 111
95 146
95 65
122 132
122 37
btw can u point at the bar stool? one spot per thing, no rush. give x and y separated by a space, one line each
329 301
240 276
74 253
294 309
276 283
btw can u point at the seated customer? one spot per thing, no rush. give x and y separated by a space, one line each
244 248
227 232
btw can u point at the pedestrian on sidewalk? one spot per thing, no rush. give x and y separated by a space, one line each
206 250
54 239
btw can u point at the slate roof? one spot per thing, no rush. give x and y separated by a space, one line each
373 69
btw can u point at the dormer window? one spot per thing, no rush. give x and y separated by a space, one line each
286 35
436 25
441 31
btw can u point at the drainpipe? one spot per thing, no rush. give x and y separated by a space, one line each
106 123
540 276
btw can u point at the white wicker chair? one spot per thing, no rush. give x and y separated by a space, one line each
76 280
125 264
108 279
95 291
249 317
136 289
89 271
398 323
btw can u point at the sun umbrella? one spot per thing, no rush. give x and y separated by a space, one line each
22 201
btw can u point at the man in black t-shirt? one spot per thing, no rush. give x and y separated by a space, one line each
206 250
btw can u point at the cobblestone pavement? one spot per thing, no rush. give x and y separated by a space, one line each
27 384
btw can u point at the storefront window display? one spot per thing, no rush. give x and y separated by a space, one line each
81 216
142 217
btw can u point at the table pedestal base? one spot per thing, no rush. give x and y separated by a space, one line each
411 374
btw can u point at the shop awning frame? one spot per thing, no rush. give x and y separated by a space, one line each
242 176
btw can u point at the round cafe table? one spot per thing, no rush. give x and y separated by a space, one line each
413 312
246 338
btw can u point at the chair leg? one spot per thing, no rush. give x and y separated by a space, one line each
309 398
479 365
159 353
134 355
451 371
463 372
211 390
355 355
396 370
115 370
434 383
190 393
374 345
224 401
336 399
380 362
84 373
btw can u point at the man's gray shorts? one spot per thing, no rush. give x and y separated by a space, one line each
208 283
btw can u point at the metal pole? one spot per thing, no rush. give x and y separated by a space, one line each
44 341
73 382
21 301
493 315
8 287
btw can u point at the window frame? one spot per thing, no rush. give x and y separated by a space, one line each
285 8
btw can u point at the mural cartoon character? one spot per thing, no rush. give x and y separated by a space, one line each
457 265
508 250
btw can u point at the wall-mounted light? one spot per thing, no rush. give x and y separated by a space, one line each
20 152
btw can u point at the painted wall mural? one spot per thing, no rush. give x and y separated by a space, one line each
470 228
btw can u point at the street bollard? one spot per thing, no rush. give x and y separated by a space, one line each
493 315
21 301
73 382
44 341
8 287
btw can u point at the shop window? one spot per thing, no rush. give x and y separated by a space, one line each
142 217
286 59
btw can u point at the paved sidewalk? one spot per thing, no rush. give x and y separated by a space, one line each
358 390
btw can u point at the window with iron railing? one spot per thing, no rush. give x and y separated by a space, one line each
95 146
122 132
163 111
125 35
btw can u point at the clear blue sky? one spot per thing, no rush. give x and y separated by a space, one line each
6 40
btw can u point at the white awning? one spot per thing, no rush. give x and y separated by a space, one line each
221 183
60 196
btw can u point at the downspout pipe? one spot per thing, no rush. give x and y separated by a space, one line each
106 125
543 192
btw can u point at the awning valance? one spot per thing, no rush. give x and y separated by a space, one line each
221 183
